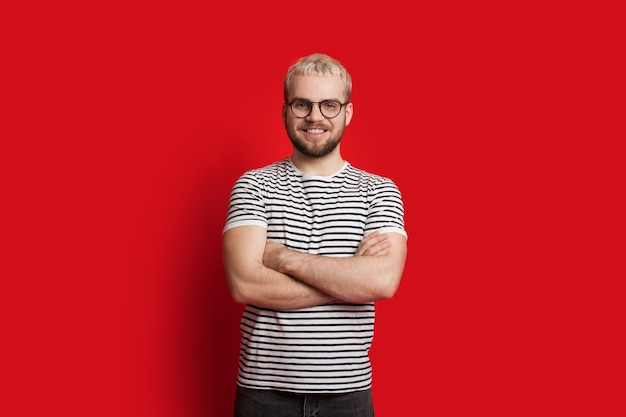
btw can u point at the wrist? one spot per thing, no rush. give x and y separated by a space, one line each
288 261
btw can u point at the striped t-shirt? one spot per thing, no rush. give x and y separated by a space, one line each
322 349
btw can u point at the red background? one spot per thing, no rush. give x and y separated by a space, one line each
125 125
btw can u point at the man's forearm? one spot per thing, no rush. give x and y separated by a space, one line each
251 282
351 279
265 287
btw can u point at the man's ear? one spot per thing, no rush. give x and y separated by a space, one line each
284 113
349 113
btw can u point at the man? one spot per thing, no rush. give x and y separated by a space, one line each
310 243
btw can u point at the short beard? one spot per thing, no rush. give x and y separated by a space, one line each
314 151
327 148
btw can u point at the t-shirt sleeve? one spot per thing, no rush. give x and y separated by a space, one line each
386 209
246 205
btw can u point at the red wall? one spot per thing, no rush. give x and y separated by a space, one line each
129 123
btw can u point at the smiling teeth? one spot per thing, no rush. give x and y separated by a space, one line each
315 130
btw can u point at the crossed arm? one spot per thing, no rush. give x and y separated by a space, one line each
269 275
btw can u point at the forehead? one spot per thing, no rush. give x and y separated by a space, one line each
316 88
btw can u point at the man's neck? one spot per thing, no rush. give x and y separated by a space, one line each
322 167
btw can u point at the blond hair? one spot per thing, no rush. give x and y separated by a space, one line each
319 65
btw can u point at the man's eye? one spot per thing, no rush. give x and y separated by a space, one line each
301 105
331 105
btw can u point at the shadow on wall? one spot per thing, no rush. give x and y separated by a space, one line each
208 326
210 347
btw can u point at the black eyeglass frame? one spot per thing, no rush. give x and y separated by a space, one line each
319 105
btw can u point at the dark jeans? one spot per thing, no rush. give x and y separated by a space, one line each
266 403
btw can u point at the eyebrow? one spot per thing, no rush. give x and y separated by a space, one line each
311 101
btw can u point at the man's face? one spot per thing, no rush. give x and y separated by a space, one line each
316 135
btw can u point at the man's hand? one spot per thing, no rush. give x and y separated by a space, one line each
271 255
374 244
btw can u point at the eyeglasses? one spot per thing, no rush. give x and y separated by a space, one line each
329 108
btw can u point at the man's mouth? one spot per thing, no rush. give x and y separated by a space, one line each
314 131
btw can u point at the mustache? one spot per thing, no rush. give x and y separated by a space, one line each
313 126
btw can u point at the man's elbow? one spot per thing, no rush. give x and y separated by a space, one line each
388 290
238 292
388 285
384 289
378 293
238 297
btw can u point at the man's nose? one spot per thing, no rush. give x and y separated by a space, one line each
316 113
